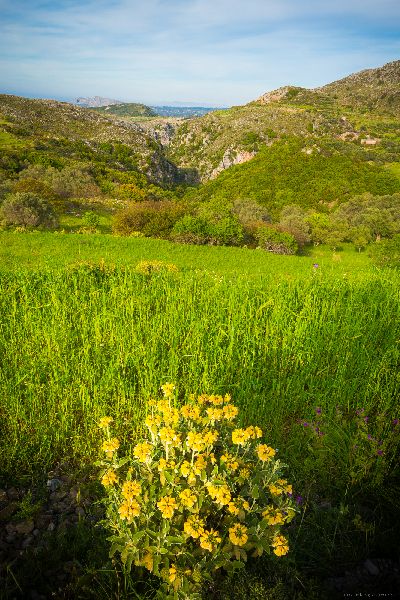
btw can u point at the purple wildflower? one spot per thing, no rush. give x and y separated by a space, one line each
379 452
299 500
315 265
305 424
366 419
318 411
370 436
395 422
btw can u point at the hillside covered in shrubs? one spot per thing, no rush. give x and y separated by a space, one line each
292 168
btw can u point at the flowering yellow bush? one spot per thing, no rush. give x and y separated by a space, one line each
198 495
154 266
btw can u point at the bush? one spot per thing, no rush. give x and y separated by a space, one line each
275 241
27 210
199 494
152 218
91 220
226 231
386 253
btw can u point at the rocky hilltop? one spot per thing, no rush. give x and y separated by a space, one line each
97 102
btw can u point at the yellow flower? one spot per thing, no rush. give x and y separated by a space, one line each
152 422
265 453
129 509
230 462
188 471
275 490
238 534
209 437
230 412
173 572
233 509
194 526
200 464
110 446
166 464
168 389
254 432
216 400
130 489
188 499
105 422
195 441
147 561
142 451
171 416
285 486
109 478
280 487
237 505
274 517
169 436
244 472
167 506
215 414
221 494
280 545
209 539
190 412
240 437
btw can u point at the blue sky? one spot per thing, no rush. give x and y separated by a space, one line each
207 52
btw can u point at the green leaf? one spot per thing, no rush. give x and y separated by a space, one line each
255 492
175 539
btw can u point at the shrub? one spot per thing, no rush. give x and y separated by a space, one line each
386 253
155 266
275 241
197 495
152 218
27 210
191 230
91 220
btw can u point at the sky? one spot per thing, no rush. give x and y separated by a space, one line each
203 52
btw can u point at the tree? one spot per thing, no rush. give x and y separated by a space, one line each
293 220
275 241
28 210
360 236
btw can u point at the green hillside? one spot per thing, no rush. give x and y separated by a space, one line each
59 134
285 174
128 109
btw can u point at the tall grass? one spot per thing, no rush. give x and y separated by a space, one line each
78 344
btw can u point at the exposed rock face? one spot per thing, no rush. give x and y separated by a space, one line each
232 157
276 95
97 102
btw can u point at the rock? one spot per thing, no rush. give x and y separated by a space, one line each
27 541
7 511
25 527
57 496
13 494
43 521
10 528
51 526
36 532
10 538
53 484
371 568
3 496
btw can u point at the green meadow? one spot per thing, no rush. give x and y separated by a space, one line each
310 354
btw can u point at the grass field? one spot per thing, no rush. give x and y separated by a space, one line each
281 336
